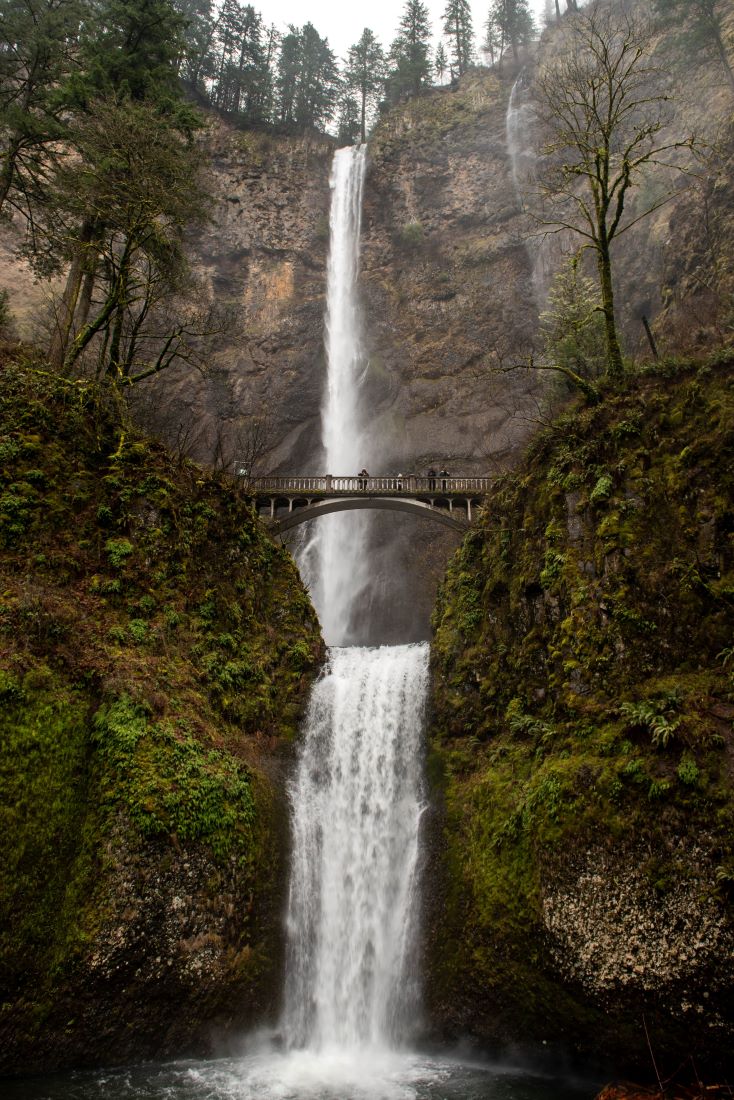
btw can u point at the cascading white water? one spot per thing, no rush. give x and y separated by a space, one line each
356 795
356 805
334 562
520 126
522 156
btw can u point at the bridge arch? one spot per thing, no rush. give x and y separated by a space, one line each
345 504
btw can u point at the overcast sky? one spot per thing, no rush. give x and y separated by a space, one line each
342 21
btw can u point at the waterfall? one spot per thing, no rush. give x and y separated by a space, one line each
334 562
520 127
356 795
522 156
356 805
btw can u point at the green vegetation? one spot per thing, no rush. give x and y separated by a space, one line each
155 646
583 703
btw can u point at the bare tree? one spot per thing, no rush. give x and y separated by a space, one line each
253 439
603 105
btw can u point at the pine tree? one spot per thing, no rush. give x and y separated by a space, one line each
136 54
572 326
513 25
39 43
243 72
492 44
441 62
409 61
457 26
348 127
308 79
365 76
132 61
197 62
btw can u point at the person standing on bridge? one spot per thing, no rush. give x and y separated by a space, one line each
431 475
363 475
444 475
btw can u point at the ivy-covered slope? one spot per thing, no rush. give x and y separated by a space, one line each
583 737
155 650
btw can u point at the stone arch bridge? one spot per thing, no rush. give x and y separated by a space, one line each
287 501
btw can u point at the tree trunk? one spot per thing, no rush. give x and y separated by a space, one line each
615 365
115 299
70 297
558 9
90 330
85 299
6 177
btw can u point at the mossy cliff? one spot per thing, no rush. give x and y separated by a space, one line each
155 651
583 738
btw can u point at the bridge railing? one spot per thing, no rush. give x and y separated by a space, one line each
409 484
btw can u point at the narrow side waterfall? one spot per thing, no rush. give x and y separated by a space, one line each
522 157
520 123
334 562
356 804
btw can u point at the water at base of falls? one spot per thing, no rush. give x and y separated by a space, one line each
302 1075
351 995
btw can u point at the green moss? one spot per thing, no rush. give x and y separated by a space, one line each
153 640
166 782
576 707
43 784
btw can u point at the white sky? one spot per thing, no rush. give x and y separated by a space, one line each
342 21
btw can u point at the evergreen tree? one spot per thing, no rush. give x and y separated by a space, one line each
409 62
243 72
137 179
136 54
308 79
441 62
512 24
132 60
572 327
39 42
492 44
457 26
705 29
365 76
197 62
348 127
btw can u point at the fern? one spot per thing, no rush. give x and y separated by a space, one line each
650 716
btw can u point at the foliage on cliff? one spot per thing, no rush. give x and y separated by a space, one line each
583 729
155 646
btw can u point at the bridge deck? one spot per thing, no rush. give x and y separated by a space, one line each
408 485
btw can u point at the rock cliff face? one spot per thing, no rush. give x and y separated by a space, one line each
583 738
264 256
445 278
155 651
